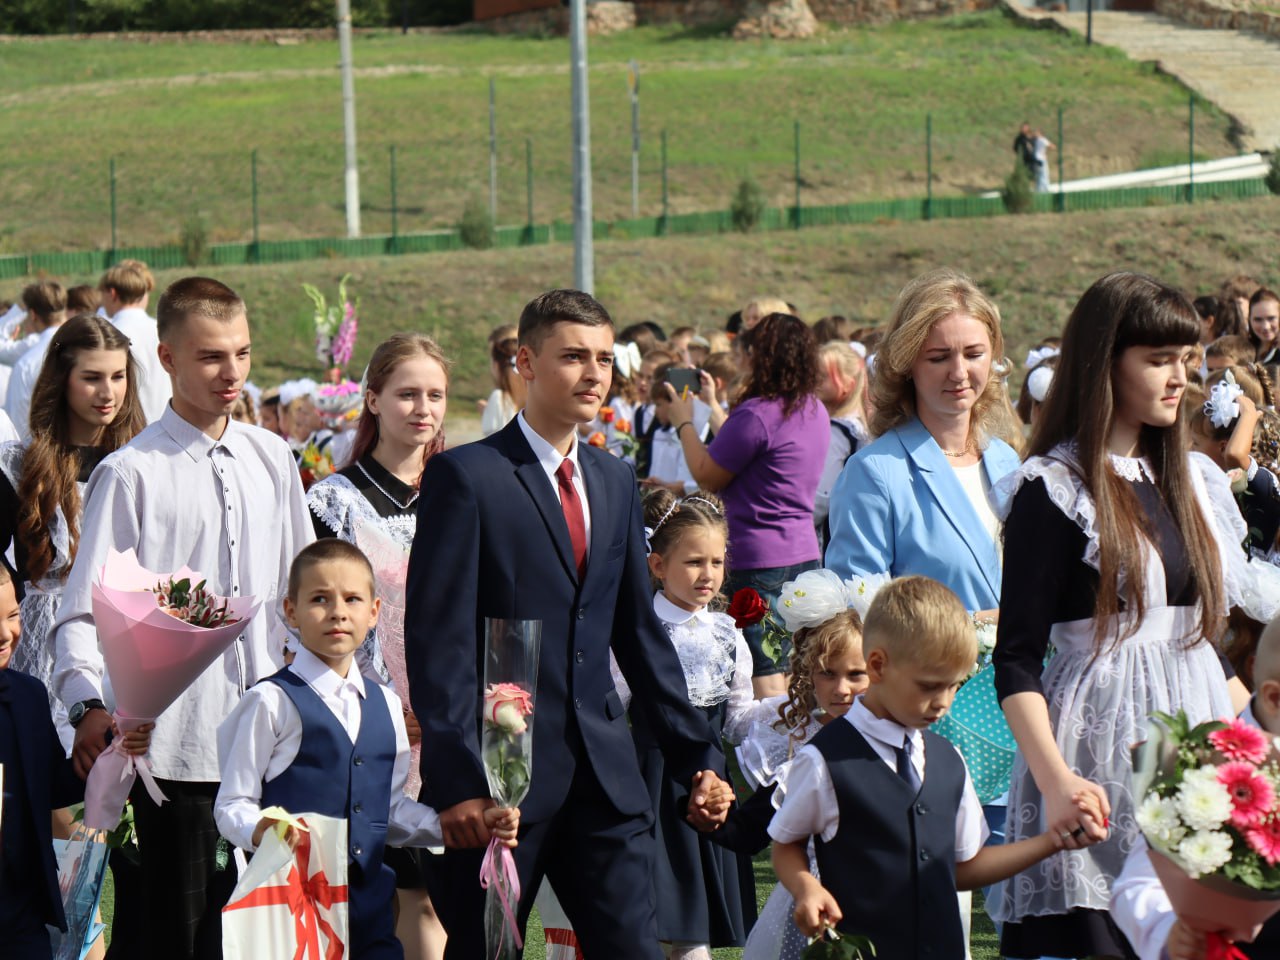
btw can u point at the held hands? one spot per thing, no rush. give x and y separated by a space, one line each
412 728
91 740
1186 943
466 824
1078 813
816 909
291 835
709 801
503 823
135 742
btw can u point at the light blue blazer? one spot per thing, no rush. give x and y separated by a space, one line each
898 507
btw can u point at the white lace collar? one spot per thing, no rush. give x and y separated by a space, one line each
1133 469
670 613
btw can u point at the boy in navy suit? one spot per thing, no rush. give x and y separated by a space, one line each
38 779
895 841
530 524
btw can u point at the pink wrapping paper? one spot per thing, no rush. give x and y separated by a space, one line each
151 659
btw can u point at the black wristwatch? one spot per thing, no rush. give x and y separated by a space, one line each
78 710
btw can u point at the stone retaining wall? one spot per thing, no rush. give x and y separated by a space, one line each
1221 15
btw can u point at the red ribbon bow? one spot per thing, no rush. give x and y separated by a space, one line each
305 899
1219 947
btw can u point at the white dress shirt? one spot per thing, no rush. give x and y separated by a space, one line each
22 381
11 351
263 734
155 389
230 509
550 458
810 808
667 461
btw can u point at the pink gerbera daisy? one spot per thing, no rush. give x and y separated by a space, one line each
1251 795
1241 741
1265 840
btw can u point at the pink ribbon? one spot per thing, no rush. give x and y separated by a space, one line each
502 875
111 779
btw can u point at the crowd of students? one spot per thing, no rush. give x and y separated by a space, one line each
873 494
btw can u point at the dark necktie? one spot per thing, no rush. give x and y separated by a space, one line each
907 769
571 504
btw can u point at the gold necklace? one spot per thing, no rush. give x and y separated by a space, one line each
956 454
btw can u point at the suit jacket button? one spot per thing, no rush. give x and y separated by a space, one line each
577 703
358 851
582 614
579 656
359 761
921 809
924 854
356 808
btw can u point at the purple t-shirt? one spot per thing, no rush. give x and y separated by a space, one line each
777 462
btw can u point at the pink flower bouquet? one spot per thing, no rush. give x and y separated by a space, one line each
158 633
1210 813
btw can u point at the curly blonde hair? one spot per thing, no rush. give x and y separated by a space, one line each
924 302
812 648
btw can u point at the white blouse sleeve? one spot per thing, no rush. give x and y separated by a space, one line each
739 712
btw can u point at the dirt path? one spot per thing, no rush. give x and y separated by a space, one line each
1237 71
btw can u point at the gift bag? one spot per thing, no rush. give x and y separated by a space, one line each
291 905
82 870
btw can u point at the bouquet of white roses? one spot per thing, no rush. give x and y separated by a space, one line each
1210 813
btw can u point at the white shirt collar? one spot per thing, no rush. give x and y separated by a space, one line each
547 455
322 678
195 442
670 613
889 732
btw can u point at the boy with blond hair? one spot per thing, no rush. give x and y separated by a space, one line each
126 288
897 826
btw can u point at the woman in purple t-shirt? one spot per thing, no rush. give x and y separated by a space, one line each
765 462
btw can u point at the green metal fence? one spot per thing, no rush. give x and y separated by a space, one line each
720 221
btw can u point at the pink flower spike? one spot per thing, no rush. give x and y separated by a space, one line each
1265 841
1241 741
1252 796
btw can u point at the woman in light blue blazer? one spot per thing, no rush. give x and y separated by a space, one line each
917 500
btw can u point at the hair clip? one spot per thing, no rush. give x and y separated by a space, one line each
675 505
648 541
714 508
1223 405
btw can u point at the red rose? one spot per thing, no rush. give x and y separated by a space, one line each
747 607
597 439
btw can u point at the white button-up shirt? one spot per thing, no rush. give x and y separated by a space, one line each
549 458
155 389
231 509
22 381
810 808
262 737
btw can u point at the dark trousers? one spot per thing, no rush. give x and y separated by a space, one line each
23 935
182 890
600 863
371 922
126 920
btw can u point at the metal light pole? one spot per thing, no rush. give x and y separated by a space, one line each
583 248
352 174
493 152
635 139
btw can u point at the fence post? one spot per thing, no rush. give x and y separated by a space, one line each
662 225
1062 197
796 222
528 184
1191 148
113 208
253 177
395 205
493 154
928 166
635 140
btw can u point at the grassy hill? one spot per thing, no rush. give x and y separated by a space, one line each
181 118
1035 266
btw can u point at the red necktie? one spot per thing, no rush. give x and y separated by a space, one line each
571 504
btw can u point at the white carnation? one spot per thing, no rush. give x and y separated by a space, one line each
812 598
1203 803
1204 852
1159 821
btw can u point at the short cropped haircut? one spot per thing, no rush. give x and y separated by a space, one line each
543 312
130 279
195 296
328 550
47 300
917 620
83 299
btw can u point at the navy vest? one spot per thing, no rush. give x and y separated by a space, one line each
892 863
336 778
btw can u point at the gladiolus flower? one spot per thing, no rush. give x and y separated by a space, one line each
1241 741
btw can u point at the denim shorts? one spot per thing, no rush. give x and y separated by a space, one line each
766 581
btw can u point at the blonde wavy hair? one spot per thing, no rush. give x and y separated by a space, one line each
923 302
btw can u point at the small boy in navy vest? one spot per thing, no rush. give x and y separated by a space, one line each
318 738
38 779
897 826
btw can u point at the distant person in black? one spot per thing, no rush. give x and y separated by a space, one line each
1024 145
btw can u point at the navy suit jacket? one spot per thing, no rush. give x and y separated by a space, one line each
47 777
492 542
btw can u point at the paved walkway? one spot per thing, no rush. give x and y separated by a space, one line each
1239 72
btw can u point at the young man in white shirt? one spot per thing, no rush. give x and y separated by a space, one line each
195 488
46 304
125 289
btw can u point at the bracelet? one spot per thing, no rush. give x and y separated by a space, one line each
687 423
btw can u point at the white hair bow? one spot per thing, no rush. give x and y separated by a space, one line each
626 357
1223 405
1038 383
1039 355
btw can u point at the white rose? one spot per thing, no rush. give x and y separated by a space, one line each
1202 803
812 598
1204 852
508 717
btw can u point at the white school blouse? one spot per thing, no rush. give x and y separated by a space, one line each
263 734
231 509
155 389
810 809
22 381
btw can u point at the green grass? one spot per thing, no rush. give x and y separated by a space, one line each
181 119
